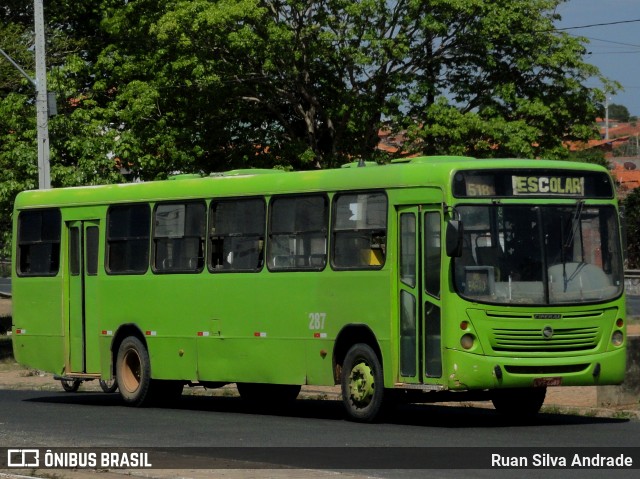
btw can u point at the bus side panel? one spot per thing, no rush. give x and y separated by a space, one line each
318 360
258 324
39 329
247 327
362 299
281 327
172 358
253 360
164 308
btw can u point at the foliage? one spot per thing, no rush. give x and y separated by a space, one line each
516 85
149 87
591 155
632 216
619 112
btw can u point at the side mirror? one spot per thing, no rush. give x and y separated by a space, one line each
454 238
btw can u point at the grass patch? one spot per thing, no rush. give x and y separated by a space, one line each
316 397
553 409
623 415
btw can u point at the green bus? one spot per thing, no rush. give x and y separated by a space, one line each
429 279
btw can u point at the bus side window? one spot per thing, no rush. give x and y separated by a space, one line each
39 242
128 239
298 233
359 231
178 237
236 235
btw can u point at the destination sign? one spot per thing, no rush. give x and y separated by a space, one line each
548 185
531 182
481 185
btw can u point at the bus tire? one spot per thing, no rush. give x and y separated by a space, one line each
109 386
133 372
520 402
362 383
70 385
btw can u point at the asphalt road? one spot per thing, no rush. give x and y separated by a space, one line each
58 419
5 285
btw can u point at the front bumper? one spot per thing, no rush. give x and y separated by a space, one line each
472 371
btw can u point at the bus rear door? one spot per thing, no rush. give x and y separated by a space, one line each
419 272
84 237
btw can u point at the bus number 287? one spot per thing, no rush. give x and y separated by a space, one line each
316 320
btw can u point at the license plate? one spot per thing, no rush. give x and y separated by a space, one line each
541 382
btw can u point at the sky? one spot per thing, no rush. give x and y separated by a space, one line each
615 48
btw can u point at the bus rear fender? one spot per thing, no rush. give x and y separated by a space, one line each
347 337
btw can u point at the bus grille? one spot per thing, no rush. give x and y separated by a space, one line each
540 370
531 340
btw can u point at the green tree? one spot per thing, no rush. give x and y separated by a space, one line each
619 112
18 158
632 217
75 139
149 87
591 155
507 84
197 85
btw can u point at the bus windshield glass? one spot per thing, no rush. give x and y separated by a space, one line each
539 254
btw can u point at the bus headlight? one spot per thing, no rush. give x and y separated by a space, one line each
467 340
616 338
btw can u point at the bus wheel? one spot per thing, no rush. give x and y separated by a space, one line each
133 371
109 386
70 385
362 383
521 402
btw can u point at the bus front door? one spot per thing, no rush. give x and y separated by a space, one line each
419 230
82 271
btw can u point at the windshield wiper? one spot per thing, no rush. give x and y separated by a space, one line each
575 224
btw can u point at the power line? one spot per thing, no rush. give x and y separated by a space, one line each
611 41
598 25
614 52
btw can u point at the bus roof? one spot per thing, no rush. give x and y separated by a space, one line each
434 171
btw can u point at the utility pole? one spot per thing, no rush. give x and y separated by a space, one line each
606 118
42 106
42 109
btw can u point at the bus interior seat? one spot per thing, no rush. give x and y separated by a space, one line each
281 261
490 256
466 257
289 261
317 260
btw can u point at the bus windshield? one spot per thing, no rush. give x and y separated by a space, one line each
539 254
